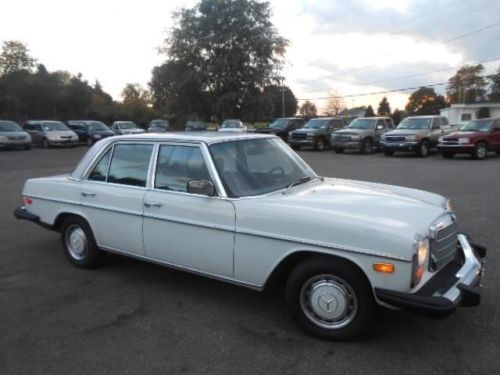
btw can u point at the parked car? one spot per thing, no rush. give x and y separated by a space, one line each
315 133
476 138
245 209
282 126
362 134
235 126
126 127
196 126
415 134
158 126
48 133
13 136
90 131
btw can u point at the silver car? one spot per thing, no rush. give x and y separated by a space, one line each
50 133
13 136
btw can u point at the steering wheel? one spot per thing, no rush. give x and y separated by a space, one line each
278 168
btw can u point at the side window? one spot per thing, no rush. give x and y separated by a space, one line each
444 121
27 127
177 165
435 123
130 164
38 127
380 122
101 168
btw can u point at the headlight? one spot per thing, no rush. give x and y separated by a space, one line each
440 139
310 134
463 140
412 137
420 258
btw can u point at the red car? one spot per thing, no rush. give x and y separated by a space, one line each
477 138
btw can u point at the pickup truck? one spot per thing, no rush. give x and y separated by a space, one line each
316 133
415 134
282 127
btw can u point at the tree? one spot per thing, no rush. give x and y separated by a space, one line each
384 109
334 105
397 116
15 56
467 85
308 110
275 94
494 95
369 112
133 94
231 46
425 101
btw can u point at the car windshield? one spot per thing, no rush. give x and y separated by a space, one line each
231 124
96 125
54 126
477 126
362 123
9 126
258 166
316 124
279 123
127 125
415 123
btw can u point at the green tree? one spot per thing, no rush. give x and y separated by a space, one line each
467 85
494 95
397 116
308 109
135 94
425 101
275 94
369 112
231 46
384 108
15 56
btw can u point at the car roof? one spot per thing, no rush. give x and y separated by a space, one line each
205 137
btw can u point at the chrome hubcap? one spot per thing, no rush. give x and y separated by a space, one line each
328 301
76 242
481 151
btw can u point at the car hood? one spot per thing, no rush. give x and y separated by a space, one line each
464 135
131 131
407 131
353 131
17 133
371 218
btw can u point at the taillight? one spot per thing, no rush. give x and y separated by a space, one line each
27 201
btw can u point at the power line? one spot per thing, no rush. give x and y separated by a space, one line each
372 65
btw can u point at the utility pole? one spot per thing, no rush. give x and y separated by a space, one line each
283 96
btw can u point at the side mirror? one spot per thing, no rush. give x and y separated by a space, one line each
380 127
202 187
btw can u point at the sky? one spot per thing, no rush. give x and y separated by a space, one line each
347 47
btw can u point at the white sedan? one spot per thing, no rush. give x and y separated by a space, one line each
234 126
246 209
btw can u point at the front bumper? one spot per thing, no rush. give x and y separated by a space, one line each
62 142
460 149
458 284
8 144
302 141
399 146
349 145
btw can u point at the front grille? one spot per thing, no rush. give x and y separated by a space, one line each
65 136
450 141
395 139
299 135
444 246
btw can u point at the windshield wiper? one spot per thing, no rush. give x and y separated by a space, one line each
300 181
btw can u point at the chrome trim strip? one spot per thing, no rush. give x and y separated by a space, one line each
237 231
441 222
187 269
468 273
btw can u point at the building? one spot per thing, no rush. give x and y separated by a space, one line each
461 113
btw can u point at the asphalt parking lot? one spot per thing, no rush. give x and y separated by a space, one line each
134 317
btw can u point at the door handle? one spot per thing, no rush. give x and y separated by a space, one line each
148 204
87 194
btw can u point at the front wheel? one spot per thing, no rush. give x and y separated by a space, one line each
45 143
320 145
330 298
423 149
90 141
338 150
447 155
366 146
388 152
78 243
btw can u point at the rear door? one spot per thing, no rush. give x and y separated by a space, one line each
436 131
113 195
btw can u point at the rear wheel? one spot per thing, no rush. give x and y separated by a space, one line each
423 149
388 152
480 151
78 243
366 146
447 155
330 298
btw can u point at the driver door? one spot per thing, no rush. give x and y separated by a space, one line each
183 229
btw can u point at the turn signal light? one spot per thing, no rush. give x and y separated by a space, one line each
384 267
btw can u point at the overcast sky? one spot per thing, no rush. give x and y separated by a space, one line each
350 46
